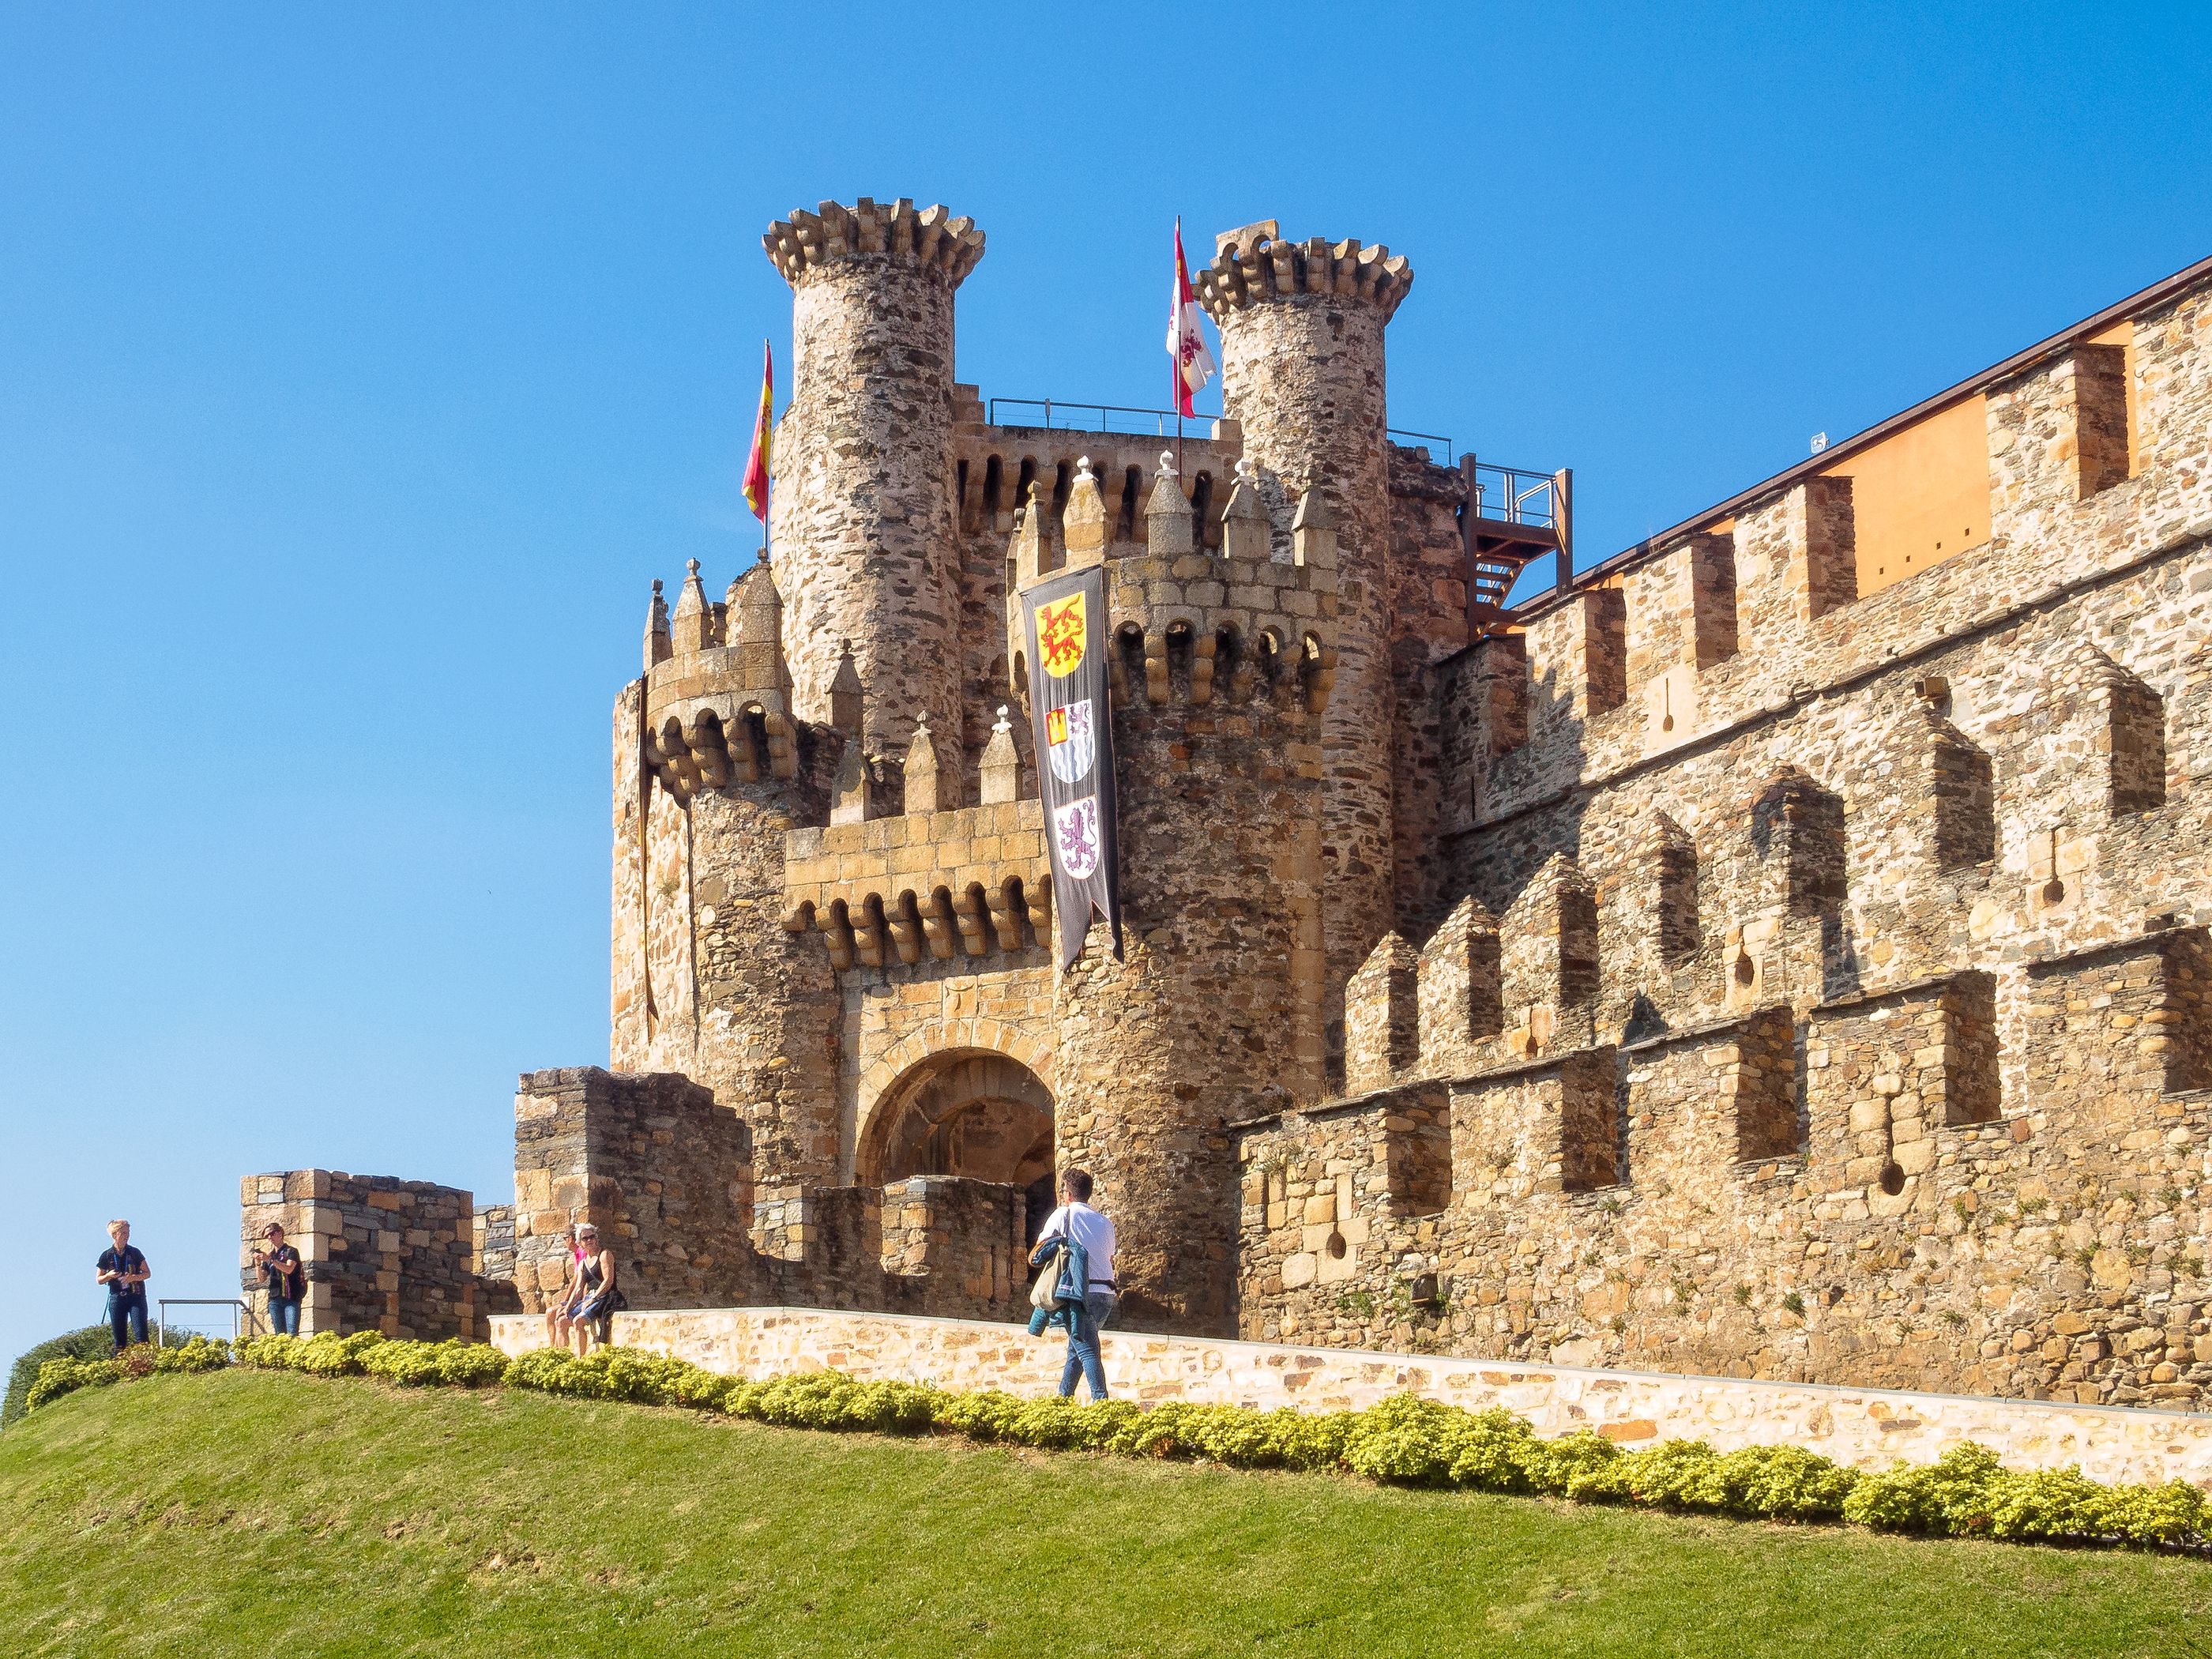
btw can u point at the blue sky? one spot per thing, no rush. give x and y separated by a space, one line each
359 369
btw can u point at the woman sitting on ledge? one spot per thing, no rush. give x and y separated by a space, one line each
592 1302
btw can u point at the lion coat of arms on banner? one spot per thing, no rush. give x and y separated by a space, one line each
1075 832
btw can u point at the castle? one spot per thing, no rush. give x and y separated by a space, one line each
1778 949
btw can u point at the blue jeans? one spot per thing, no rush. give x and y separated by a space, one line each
127 1313
284 1315
1083 1344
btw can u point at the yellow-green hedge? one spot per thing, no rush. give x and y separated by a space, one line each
1403 1441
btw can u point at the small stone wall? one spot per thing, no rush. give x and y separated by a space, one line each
1866 1428
662 1171
381 1254
666 1175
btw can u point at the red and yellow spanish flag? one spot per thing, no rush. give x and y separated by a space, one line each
763 431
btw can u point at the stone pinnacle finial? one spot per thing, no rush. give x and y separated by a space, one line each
1082 521
845 694
694 622
1169 532
1167 465
1001 771
658 646
1247 532
926 790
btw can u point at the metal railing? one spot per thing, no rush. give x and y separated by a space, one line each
241 1314
1426 437
1139 422
1507 495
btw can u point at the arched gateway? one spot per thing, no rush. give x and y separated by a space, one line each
962 1110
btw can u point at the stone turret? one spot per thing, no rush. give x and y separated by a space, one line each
1301 328
711 771
863 508
1222 666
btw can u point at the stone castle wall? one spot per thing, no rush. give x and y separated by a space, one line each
1739 958
381 1254
1826 999
665 1174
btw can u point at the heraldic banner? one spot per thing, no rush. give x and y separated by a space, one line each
1065 619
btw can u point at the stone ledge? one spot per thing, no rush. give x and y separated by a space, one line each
1867 1428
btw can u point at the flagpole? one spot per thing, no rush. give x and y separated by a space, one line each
1175 359
767 484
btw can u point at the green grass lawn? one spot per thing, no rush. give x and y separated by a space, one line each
265 1513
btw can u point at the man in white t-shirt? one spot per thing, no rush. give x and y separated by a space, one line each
1076 1220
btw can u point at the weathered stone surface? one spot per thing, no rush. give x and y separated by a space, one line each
381 1254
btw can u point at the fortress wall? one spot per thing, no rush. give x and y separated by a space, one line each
651 1161
381 1254
1887 1064
1845 1196
668 1177
1428 623
1794 642
1970 796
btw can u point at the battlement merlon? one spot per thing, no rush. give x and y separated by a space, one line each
805 244
1257 619
1250 267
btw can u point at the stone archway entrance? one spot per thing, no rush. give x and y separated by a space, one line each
972 1112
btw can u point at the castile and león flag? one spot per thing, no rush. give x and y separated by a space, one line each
1194 363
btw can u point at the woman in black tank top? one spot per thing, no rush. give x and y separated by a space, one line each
596 1297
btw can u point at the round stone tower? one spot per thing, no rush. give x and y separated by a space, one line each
1302 330
862 514
1221 668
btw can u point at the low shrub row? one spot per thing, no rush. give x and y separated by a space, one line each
91 1342
1403 1441
57 1377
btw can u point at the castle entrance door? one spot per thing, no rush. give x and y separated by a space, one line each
965 1112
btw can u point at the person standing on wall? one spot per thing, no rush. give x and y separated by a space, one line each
122 1269
286 1279
1092 1235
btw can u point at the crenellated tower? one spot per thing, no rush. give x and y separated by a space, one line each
1301 327
710 771
863 509
1221 668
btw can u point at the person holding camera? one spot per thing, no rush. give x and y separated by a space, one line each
284 1276
122 1268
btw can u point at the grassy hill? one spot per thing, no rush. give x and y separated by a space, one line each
250 1513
